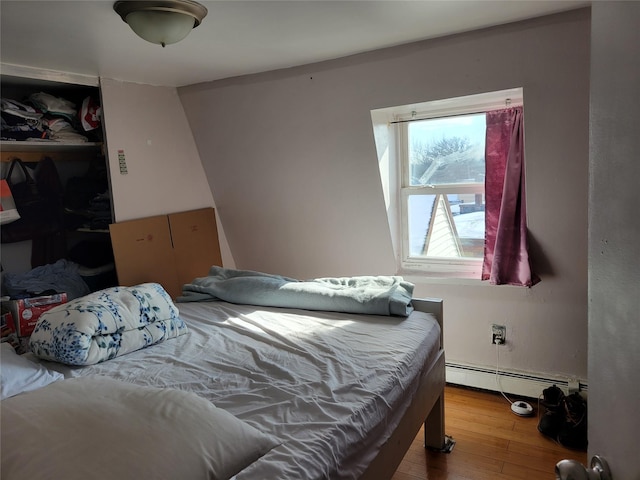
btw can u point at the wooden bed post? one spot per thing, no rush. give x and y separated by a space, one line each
434 436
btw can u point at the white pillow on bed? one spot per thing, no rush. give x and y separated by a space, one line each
99 428
18 374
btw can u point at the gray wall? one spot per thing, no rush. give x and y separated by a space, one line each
614 238
291 160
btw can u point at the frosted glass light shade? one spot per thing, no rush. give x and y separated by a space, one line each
162 22
159 27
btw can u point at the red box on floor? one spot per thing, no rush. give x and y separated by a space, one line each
27 311
7 325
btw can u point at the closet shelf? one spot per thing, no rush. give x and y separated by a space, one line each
30 151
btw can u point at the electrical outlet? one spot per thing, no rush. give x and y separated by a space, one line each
498 334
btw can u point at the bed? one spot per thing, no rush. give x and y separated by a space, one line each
315 395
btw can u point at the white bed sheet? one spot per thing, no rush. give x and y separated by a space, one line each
330 386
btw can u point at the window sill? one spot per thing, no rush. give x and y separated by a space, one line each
449 278
443 271
441 278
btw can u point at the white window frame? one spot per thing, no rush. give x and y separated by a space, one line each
401 116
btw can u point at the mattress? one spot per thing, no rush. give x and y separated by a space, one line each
330 386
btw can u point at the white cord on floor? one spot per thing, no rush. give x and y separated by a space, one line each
497 374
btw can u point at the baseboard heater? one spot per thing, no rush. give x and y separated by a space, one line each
517 383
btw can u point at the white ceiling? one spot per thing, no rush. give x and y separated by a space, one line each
237 37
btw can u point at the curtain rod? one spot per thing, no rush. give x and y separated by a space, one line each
507 105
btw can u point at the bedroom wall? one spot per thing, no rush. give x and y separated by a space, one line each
164 171
291 160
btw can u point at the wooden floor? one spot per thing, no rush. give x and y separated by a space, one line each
492 443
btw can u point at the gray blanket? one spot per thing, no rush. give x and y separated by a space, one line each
372 295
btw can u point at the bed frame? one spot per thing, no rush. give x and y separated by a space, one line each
427 406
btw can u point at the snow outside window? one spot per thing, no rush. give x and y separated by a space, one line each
435 183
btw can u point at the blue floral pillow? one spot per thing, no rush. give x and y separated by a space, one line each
106 324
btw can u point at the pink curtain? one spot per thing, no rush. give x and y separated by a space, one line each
506 252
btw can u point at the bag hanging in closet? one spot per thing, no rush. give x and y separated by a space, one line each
38 202
8 211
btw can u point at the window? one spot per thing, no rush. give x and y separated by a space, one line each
437 150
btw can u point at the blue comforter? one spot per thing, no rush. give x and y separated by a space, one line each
372 295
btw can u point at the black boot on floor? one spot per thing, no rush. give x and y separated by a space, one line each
552 412
573 433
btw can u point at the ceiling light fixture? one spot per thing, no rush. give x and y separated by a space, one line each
161 22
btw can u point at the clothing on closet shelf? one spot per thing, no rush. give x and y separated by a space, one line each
42 116
21 121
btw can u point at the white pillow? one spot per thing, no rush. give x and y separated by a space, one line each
99 428
18 374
